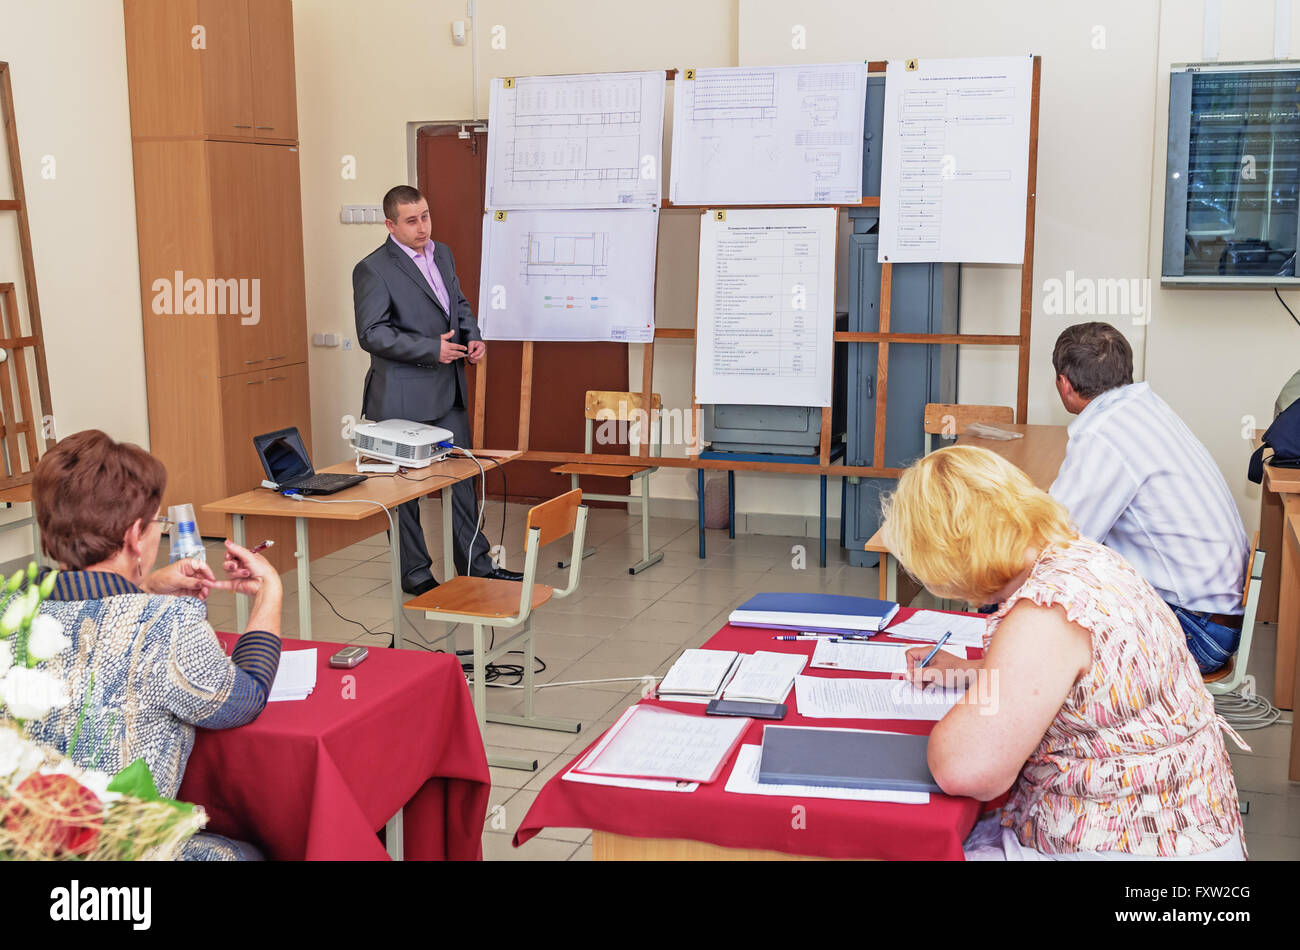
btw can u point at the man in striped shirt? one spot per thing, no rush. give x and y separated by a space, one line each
1136 479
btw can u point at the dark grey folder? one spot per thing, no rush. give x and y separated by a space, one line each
834 758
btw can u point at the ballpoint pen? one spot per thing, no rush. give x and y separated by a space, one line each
930 656
263 546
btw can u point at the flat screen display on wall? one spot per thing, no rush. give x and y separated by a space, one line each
1233 175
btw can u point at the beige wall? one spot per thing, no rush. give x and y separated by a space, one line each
69 77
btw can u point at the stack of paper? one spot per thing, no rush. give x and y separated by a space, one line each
649 742
823 697
698 675
296 677
929 626
868 657
814 613
765 677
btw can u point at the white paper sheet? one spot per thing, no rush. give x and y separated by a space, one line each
824 697
569 275
868 657
956 160
295 678
580 141
769 135
765 677
766 317
930 626
744 781
651 742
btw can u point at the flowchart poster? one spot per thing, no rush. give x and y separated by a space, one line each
955 160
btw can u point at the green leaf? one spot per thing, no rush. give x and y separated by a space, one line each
137 781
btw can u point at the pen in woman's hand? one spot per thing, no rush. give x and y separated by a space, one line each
263 546
930 656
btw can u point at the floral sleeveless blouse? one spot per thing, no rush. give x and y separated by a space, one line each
1135 760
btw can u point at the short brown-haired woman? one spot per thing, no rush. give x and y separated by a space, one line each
158 669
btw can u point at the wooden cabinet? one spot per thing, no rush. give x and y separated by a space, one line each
222 69
219 223
275 109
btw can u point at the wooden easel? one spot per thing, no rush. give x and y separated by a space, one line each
884 337
21 430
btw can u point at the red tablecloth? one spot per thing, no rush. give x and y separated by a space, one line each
316 779
824 827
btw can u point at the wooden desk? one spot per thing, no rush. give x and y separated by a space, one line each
1291 587
1039 455
1279 595
336 521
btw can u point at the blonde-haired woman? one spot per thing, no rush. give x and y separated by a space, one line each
1088 706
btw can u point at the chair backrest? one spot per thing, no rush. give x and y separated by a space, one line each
1250 597
556 518
612 404
948 419
608 405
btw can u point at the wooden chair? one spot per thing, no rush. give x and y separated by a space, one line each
948 420
604 406
483 602
1229 677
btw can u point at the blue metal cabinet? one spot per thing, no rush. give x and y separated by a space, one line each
924 299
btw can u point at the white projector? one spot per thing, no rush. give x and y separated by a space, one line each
410 444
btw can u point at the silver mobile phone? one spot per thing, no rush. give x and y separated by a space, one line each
349 657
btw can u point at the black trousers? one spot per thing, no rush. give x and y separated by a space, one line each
468 547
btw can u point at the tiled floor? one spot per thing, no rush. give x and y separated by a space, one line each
622 628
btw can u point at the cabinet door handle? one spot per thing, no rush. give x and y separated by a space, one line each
280 357
254 382
871 387
242 126
271 379
251 362
266 127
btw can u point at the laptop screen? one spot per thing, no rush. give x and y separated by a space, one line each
283 455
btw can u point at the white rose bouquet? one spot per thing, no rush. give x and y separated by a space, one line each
51 808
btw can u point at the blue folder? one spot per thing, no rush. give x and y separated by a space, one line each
825 612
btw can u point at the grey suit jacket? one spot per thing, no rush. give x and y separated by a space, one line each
399 323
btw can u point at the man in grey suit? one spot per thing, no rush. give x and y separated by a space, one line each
417 327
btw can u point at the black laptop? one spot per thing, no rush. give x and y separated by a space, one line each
287 464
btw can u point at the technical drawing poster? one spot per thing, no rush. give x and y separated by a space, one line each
582 141
766 322
769 135
569 275
956 160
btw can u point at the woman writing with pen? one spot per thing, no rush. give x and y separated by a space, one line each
1099 723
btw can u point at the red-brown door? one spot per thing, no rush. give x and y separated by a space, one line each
453 176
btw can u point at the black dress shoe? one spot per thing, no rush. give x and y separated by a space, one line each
420 588
501 574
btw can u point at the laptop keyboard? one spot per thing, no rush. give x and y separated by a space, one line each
325 483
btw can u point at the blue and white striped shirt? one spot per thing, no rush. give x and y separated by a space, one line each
1137 480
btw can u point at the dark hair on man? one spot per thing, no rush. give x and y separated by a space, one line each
1093 357
88 490
400 195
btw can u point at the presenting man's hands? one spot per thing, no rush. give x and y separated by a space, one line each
477 350
450 351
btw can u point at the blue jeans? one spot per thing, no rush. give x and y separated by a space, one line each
1211 643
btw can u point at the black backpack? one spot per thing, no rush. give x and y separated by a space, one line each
1283 437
